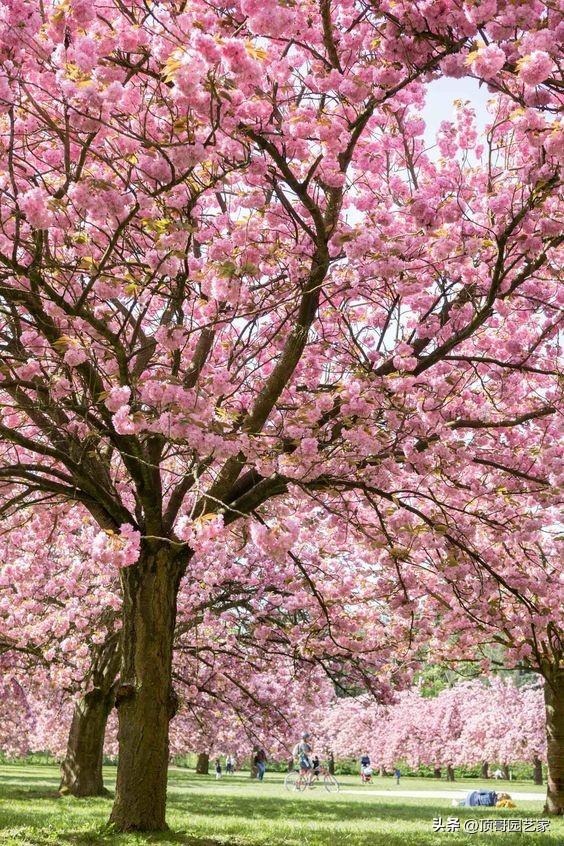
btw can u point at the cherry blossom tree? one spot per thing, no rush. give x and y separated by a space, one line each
52 714
228 707
465 724
222 714
521 616
60 625
231 274
15 715
504 723
59 622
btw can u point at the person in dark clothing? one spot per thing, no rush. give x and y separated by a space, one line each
260 763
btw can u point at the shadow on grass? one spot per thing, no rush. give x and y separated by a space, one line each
101 836
240 820
326 808
8 781
16 794
32 793
386 837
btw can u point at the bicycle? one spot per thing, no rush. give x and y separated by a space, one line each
303 779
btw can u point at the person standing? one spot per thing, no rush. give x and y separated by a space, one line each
365 768
218 771
397 775
260 763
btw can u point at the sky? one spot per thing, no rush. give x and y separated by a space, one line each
440 97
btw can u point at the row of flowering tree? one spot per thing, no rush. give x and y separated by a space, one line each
247 641
235 686
239 299
471 723
262 707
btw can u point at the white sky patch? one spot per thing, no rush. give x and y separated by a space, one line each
439 105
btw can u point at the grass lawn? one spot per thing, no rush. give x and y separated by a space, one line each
241 812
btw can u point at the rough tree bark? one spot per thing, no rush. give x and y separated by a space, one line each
537 770
485 769
506 773
81 769
450 773
203 764
145 698
331 763
437 772
554 704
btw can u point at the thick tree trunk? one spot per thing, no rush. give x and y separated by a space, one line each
437 772
450 773
331 763
145 698
554 703
537 770
506 773
485 769
203 764
81 770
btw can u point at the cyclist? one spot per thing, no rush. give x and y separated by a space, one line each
309 769
302 753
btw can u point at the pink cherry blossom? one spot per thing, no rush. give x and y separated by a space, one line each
488 61
535 67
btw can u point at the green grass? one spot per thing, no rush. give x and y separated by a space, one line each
242 812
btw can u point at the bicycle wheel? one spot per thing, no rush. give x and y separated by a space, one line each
292 781
303 782
330 783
